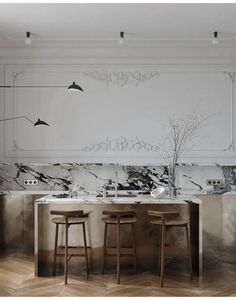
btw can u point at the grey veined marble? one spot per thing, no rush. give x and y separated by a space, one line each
94 176
88 177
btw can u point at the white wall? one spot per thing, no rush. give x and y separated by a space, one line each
181 78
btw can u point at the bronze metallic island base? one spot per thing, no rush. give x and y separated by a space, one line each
147 237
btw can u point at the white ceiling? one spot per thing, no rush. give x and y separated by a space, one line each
104 21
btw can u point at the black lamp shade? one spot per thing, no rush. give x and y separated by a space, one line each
40 123
75 87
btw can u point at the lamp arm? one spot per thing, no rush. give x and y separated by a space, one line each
20 117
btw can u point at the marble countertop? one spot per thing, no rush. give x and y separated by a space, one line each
232 193
51 192
140 199
31 192
91 197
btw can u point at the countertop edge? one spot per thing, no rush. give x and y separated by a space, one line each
121 200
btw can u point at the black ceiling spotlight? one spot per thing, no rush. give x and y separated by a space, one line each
28 39
215 39
122 39
74 87
37 123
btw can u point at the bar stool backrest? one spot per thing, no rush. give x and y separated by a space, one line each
163 215
67 213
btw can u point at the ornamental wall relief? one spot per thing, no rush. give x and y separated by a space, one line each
121 144
122 78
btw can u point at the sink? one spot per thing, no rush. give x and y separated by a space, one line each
61 196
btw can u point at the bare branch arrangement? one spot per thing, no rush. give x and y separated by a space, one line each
179 138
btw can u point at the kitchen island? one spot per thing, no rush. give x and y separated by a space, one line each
147 235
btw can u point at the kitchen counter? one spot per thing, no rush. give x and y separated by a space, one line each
93 199
32 192
187 206
184 193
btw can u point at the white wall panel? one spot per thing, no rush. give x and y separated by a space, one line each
126 103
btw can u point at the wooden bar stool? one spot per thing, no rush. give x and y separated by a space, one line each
67 219
164 220
118 218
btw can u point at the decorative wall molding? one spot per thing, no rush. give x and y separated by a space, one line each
16 147
15 76
141 117
116 77
122 78
231 146
121 144
231 75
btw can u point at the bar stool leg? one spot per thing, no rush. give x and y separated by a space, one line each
134 248
118 251
189 251
85 249
159 253
66 251
104 248
162 253
55 251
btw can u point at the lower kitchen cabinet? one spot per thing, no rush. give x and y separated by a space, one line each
17 222
211 221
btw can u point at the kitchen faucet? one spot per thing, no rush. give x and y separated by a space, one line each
104 188
116 182
72 192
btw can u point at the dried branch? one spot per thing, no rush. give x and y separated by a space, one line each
179 137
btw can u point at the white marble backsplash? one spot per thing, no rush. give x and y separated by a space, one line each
195 177
92 177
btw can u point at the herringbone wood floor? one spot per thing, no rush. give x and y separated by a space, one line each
17 279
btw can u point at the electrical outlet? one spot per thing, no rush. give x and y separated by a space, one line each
214 182
31 182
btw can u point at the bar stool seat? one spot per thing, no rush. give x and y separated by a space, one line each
171 222
71 220
169 219
118 218
66 219
124 220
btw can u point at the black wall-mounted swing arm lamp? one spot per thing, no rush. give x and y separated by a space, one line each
72 87
37 123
